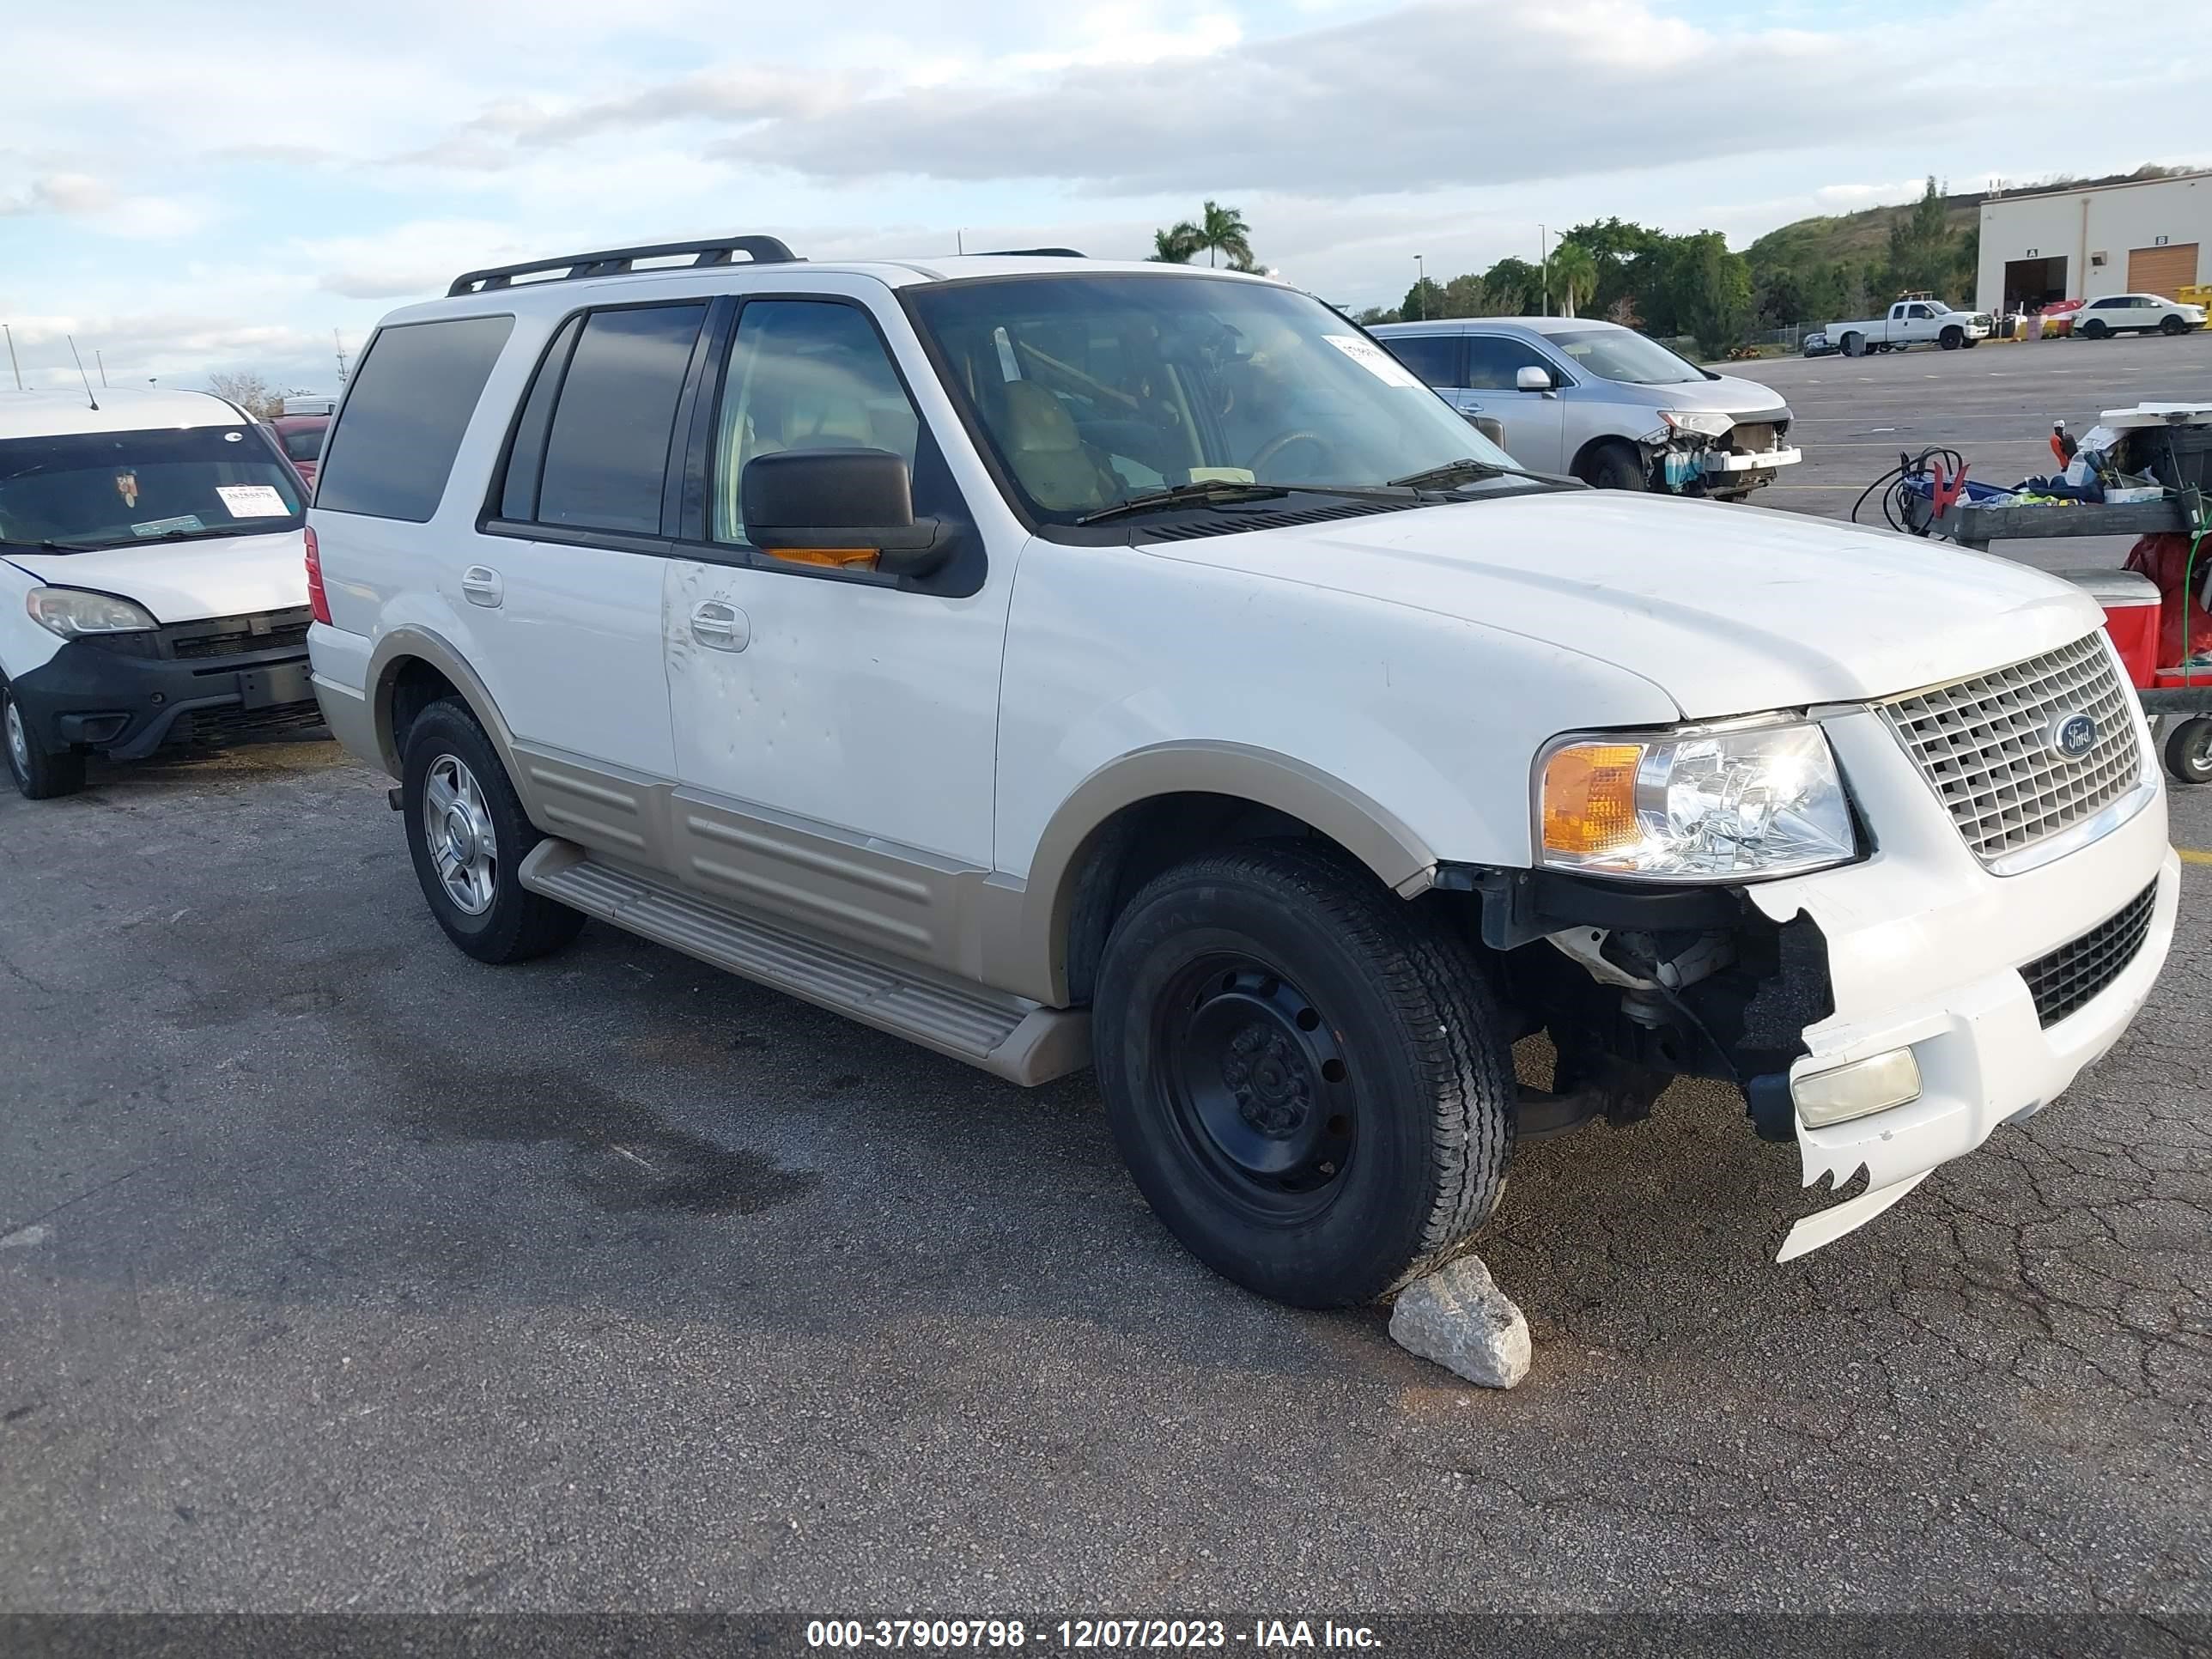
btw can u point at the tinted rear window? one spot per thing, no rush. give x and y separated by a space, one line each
606 457
409 404
1434 357
303 446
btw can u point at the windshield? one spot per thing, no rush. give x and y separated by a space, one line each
1623 355
87 489
303 443
1090 390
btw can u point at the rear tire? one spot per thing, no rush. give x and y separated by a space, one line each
1308 1078
38 773
2170 325
1951 338
1613 466
467 833
2096 329
2189 751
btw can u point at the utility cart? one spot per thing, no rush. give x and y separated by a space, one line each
2179 700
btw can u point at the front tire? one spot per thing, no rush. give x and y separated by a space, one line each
1613 466
2096 329
467 833
1307 1079
2189 751
38 773
2170 325
1951 338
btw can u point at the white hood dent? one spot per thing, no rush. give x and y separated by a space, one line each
1730 610
186 581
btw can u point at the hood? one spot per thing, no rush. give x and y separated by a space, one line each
186 581
1727 394
1730 610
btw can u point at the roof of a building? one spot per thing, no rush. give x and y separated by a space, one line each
1999 200
38 414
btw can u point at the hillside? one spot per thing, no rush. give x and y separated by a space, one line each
1863 237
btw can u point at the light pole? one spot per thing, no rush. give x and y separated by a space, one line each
1544 260
12 363
1420 291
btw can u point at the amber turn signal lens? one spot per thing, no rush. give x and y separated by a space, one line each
1589 797
840 558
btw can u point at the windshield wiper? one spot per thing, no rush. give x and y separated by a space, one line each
1202 492
1467 470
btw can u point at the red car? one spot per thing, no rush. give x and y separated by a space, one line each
303 438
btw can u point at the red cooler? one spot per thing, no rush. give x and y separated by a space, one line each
2131 611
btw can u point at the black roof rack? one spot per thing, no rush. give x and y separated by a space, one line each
1035 253
618 261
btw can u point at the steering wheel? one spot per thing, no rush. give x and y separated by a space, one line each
1277 445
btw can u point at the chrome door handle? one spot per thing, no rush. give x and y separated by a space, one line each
481 585
721 627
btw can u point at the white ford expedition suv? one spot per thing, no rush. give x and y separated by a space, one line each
1061 663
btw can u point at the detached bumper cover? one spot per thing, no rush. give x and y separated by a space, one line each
128 706
1925 951
1764 461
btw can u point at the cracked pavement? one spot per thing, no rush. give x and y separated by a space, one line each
339 1271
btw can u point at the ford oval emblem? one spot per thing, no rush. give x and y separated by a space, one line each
2073 735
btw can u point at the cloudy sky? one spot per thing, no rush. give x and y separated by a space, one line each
188 187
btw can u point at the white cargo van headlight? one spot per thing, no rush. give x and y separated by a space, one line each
73 612
1709 422
1738 803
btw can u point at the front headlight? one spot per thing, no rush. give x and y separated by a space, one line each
73 612
1743 803
1707 422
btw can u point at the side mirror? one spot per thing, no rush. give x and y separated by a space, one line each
1490 426
848 508
1533 378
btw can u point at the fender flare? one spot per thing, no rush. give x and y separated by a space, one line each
1377 838
412 641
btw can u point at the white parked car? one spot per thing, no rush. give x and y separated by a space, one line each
151 588
2142 313
1059 663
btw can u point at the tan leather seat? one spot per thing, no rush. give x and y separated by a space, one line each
1048 456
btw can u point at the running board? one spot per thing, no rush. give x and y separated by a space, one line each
1007 1036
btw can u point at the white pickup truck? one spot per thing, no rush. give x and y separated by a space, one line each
1912 322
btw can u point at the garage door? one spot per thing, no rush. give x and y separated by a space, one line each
2161 270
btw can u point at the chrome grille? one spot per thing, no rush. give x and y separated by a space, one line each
1984 745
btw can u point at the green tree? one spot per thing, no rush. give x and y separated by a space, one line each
1710 288
1222 230
1615 244
1469 295
1374 314
1923 250
1516 284
1175 244
1573 276
1424 301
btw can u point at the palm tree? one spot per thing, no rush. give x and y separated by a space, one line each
1174 246
1574 275
1223 230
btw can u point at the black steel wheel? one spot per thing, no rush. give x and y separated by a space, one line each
2170 325
1953 338
2189 751
1306 1074
2096 329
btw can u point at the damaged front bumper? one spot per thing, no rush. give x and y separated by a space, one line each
1925 953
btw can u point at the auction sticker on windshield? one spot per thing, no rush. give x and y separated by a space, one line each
1372 358
253 500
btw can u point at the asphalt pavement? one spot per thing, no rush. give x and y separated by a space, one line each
338 1272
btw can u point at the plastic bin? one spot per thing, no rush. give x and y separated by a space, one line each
2131 602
